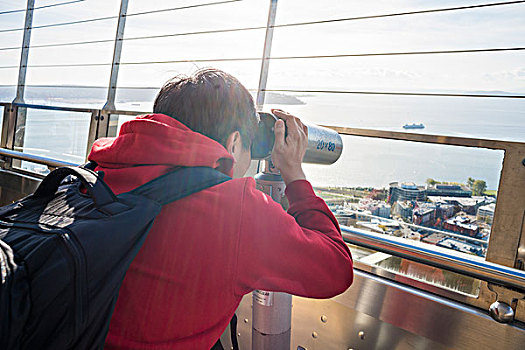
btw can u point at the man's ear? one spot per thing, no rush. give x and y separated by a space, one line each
234 143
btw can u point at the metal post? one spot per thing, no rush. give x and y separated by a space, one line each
272 312
110 102
99 123
507 239
265 65
22 69
18 120
5 125
9 119
93 130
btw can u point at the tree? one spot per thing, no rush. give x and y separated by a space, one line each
431 181
470 182
478 187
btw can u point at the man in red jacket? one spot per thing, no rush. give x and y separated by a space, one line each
205 251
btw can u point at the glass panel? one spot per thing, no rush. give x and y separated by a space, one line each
440 195
60 135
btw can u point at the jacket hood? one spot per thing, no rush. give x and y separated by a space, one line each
157 139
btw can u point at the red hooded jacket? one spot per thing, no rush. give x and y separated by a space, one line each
205 251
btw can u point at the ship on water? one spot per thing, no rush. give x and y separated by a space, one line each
414 126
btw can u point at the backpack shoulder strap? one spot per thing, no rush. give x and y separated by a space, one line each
180 183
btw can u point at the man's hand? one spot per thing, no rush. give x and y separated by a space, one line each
288 151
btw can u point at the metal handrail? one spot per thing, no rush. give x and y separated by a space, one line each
463 264
55 108
75 109
34 158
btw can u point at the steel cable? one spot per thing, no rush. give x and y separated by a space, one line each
330 56
180 8
62 44
62 24
393 93
42 7
281 57
115 17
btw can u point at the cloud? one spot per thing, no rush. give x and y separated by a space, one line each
514 74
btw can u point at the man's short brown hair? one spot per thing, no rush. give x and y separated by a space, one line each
210 102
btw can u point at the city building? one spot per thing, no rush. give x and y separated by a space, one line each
468 205
424 214
403 209
412 192
461 246
382 210
486 213
406 191
445 211
446 190
461 224
433 238
375 207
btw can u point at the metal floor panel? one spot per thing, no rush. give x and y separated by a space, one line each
375 313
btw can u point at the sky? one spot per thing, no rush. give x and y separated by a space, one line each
491 27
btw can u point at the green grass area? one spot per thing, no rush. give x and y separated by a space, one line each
490 192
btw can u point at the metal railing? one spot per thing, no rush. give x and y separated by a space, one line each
50 162
463 264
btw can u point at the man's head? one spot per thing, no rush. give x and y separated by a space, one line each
215 104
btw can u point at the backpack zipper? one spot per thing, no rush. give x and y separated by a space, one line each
78 262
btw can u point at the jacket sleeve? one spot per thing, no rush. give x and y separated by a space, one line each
300 252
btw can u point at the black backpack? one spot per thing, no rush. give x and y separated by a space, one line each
64 254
